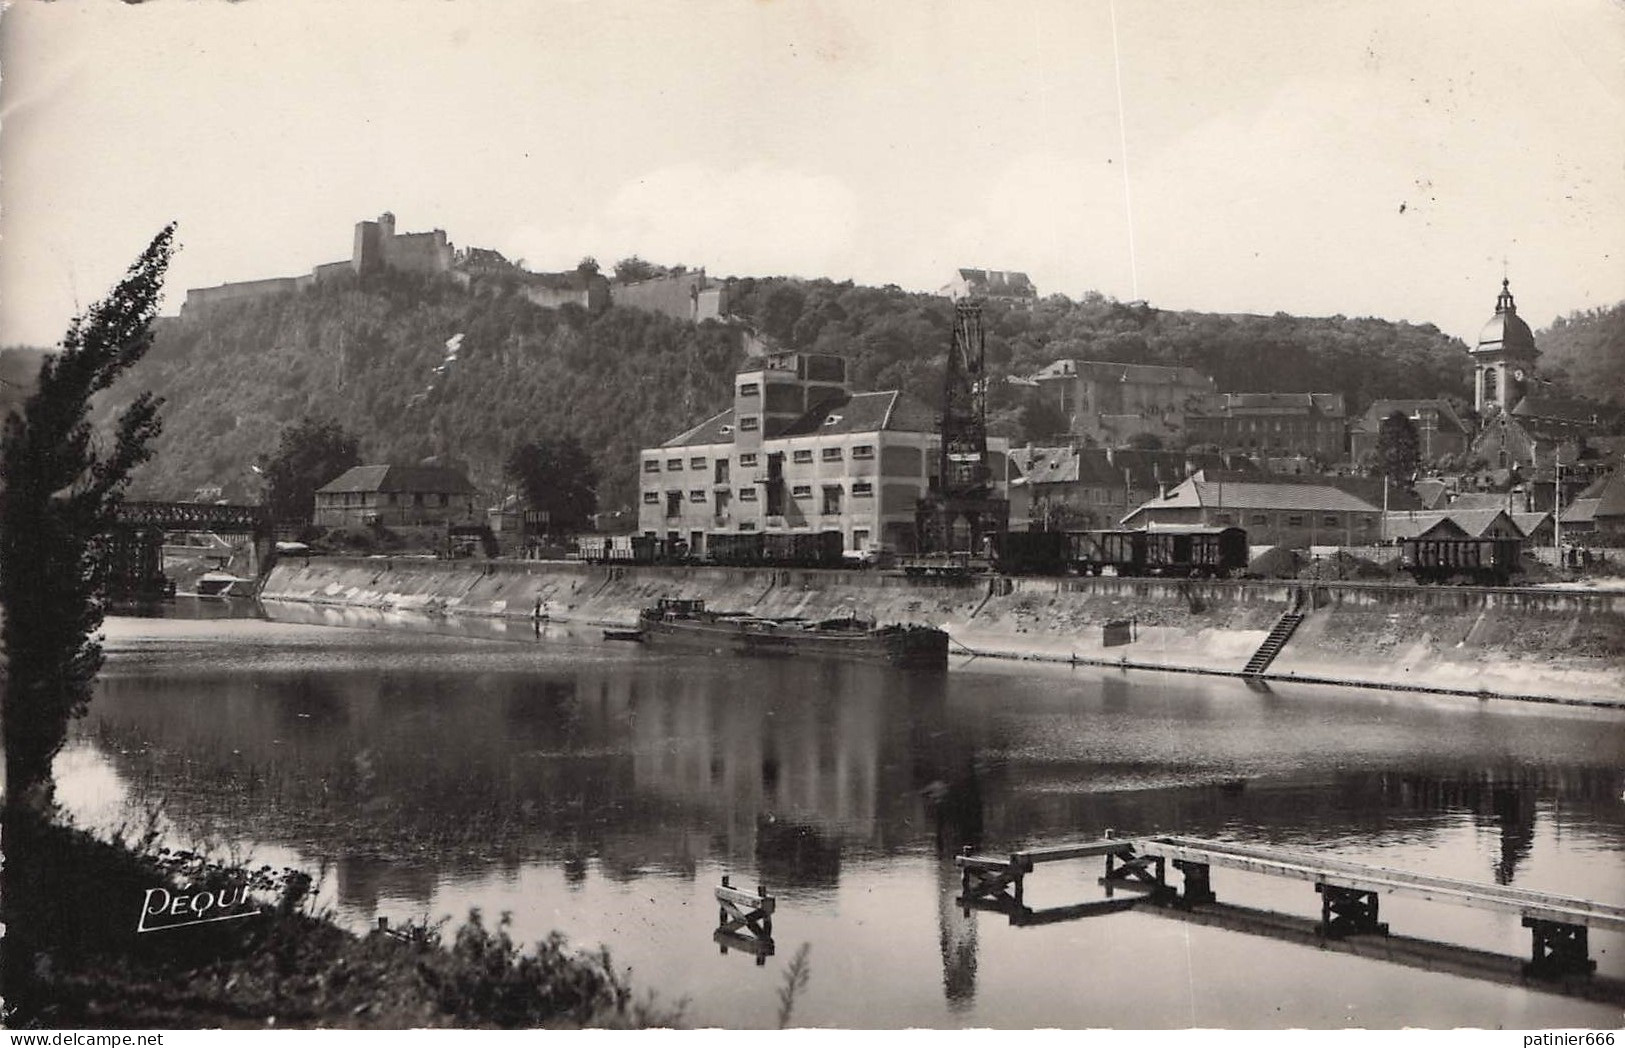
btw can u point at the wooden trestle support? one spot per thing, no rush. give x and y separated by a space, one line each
1349 892
745 921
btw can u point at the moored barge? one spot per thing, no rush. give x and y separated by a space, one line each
684 623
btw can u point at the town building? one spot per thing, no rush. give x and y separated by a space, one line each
395 495
683 295
1067 488
799 451
1597 514
1271 424
991 284
1107 403
1439 430
1503 359
1453 523
1296 512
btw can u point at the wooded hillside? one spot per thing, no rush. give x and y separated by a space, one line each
366 353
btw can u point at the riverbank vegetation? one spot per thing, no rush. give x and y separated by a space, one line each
76 952
281 966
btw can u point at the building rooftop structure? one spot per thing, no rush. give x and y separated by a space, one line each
436 479
1470 523
1236 490
990 283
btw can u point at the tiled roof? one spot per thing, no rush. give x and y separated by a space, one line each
1473 500
1581 511
1110 371
1539 406
431 479
866 413
1097 467
1371 421
1409 525
1248 491
1431 493
1271 403
1529 523
717 429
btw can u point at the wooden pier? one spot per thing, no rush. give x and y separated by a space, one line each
1349 891
744 921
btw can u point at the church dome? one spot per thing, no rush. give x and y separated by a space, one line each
1506 331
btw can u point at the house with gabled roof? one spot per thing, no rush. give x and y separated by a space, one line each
1453 523
1075 487
800 452
1292 511
1439 430
395 495
1598 513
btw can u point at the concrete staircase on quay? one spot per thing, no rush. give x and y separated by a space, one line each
1282 632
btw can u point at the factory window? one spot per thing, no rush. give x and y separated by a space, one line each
1219 518
864 451
861 490
722 471
697 495
651 465
652 497
802 491
1258 518
1295 520
749 422
833 420
803 455
697 462
674 503
723 498
747 525
1329 520
747 460
749 389
674 464
832 455
747 494
832 499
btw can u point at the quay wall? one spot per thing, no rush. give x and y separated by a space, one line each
1561 645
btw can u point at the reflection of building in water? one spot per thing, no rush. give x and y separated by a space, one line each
361 881
812 761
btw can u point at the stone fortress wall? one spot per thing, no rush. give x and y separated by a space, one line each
378 247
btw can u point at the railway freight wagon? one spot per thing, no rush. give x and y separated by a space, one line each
1487 561
1033 552
1168 551
631 549
777 549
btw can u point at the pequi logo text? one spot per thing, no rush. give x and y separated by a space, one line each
164 908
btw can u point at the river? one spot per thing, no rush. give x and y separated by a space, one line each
422 768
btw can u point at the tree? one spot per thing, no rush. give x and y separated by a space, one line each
556 477
60 491
1042 421
1398 447
632 269
1145 442
309 453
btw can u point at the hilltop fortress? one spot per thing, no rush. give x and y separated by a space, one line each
684 295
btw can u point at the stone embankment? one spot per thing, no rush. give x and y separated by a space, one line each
1561 646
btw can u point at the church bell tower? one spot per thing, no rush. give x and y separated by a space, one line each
1503 360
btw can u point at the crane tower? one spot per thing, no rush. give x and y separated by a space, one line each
963 491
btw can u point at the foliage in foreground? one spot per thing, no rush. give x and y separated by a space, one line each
283 968
60 490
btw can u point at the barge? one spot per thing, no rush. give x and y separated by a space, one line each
687 624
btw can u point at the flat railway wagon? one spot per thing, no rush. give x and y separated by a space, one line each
1486 561
1168 551
631 549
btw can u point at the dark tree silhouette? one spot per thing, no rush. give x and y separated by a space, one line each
61 489
556 477
1399 451
309 453
1145 442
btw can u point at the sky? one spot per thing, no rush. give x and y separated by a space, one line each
1360 157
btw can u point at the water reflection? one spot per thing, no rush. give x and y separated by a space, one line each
415 766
